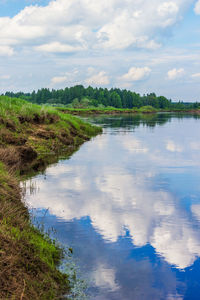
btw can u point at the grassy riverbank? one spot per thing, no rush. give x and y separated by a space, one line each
114 111
31 136
107 110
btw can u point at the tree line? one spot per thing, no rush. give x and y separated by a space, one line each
81 97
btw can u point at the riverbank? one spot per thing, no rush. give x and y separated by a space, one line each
115 111
108 111
31 137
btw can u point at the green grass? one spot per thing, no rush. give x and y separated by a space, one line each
28 257
147 109
33 259
31 136
113 110
45 129
103 109
15 109
109 110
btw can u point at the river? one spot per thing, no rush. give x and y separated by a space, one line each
128 203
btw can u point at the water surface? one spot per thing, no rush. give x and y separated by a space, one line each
128 202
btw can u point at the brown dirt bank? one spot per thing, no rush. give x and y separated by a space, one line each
28 258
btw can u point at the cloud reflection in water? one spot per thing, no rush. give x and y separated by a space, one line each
135 182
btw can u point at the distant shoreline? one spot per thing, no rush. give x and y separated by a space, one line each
142 110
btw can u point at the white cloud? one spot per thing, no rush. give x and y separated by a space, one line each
196 75
175 73
175 296
135 74
102 34
6 50
197 7
173 147
57 47
87 24
168 8
195 208
177 242
105 277
99 79
4 77
133 145
59 79
90 70
66 77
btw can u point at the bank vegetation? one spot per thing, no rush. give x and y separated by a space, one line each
31 137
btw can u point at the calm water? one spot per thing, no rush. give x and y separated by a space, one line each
128 202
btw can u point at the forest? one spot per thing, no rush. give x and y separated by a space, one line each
81 97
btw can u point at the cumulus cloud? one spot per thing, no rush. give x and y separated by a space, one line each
168 8
105 277
197 7
66 77
175 296
90 70
6 50
135 74
173 147
57 47
133 145
196 75
59 79
175 73
177 235
195 208
79 25
96 33
98 79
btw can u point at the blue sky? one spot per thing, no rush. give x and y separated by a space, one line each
144 46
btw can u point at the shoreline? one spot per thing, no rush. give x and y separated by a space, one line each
85 111
31 138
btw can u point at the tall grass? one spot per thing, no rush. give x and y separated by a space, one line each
14 109
28 257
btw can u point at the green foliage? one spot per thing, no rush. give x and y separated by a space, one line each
29 134
80 97
31 255
16 109
116 100
147 108
76 103
44 129
85 102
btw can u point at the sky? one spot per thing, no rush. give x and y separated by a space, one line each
140 45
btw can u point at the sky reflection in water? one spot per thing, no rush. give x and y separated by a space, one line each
128 202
